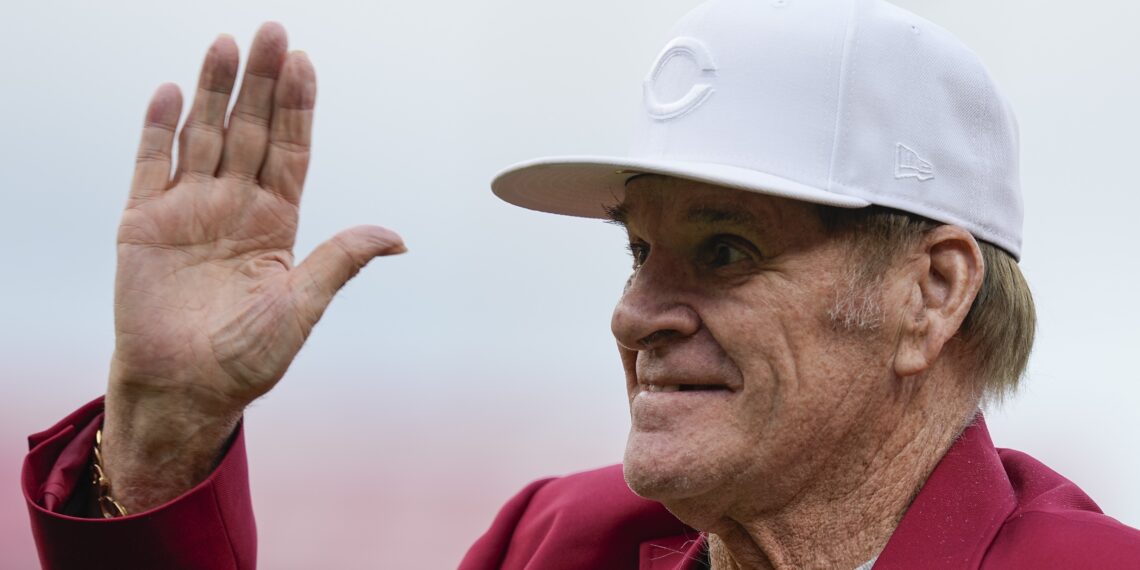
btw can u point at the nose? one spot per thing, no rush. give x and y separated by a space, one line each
652 312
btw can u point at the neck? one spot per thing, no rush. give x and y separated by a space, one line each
845 513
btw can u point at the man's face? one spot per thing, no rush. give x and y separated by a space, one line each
740 380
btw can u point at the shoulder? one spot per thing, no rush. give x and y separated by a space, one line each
1064 539
586 520
599 496
1056 525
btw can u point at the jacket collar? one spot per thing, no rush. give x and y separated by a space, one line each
959 510
950 524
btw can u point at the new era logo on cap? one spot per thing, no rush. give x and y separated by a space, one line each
909 165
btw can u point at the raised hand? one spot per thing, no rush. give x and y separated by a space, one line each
209 309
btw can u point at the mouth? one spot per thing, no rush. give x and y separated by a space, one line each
667 388
660 404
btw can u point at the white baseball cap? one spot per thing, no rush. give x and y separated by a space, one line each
841 102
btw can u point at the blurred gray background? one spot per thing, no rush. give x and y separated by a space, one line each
442 381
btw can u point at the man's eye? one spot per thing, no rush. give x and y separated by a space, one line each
639 252
723 253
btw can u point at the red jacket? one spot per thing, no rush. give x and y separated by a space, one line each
980 508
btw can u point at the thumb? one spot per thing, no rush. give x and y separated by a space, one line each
317 279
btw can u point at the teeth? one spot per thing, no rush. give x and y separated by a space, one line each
659 388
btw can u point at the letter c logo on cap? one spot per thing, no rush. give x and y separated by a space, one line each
693 49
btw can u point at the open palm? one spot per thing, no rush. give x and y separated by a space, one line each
208 304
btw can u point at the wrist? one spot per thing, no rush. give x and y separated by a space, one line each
157 445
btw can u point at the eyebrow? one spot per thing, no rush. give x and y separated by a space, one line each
706 215
715 215
617 214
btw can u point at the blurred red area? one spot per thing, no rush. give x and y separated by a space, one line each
338 495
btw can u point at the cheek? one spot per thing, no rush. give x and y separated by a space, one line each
781 343
757 339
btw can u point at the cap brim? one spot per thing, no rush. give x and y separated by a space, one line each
586 185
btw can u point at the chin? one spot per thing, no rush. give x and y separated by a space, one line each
660 468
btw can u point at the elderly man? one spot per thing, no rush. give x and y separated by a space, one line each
824 218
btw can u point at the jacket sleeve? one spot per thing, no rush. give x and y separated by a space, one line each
491 549
209 526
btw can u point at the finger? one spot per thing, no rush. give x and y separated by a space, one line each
291 130
152 164
248 132
334 262
200 145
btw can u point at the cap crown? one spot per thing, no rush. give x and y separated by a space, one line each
859 98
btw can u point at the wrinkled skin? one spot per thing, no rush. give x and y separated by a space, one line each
209 308
787 414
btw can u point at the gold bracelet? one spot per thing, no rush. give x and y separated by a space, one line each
107 504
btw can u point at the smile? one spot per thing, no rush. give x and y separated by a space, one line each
655 388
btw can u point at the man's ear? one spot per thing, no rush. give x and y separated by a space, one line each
944 281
